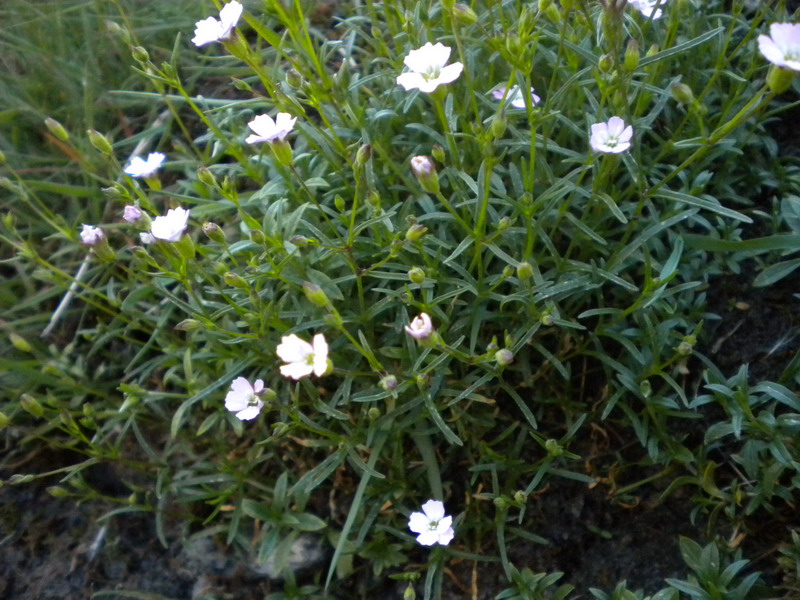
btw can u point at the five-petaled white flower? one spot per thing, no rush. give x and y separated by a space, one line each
243 398
431 524
90 235
268 130
213 30
648 7
514 96
782 46
145 168
303 358
428 70
421 327
132 213
171 226
612 137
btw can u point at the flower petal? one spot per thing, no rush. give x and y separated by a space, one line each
771 51
320 355
251 412
428 538
296 370
450 73
293 349
411 80
434 509
418 522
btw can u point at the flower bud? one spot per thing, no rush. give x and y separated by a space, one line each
652 51
131 213
553 448
4 421
363 154
425 172
606 63
282 151
315 294
464 15
416 232
188 325
339 203
237 281
31 405
416 275
505 223
779 79
682 93
508 271
409 593
116 30
493 347
388 383
300 241
524 271
631 61
214 232
374 199
20 343
140 54
56 491
57 129
241 85
498 126
373 414
520 497
438 153
553 14
205 175
504 357
294 79
100 142
334 320
546 319
257 236
685 349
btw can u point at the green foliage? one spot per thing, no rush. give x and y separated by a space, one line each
567 287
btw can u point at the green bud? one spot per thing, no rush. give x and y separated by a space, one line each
315 294
493 347
448 5
631 61
31 405
606 63
498 126
18 479
294 79
501 502
235 280
374 199
57 129
282 151
4 421
645 388
416 275
779 79
553 14
544 4
100 142
416 232
373 414
241 85
409 593
219 268
339 203
464 15
169 71
425 172
504 357
508 271
524 271
140 54
505 223
205 175
421 380
520 497
438 153
188 325
685 349
553 448
363 154
268 395
57 491
300 241
652 51
19 342
682 93
257 236
334 320
214 232
546 319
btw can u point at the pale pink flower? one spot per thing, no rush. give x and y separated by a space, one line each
213 30
612 137
303 358
91 235
432 525
132 213
427 68
267 130
782 46
243 398
514 96
421 327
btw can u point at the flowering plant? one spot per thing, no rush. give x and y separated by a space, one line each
428 68
217 30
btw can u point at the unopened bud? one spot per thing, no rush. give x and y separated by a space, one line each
409 593
464 15
363 154
57 129
524 271
214 232
100 142
606 63
188 325
416 232
140 54
631 61
438 153
505 223
315 294
498 126
374 199
508 271
547 319
416 275
553 448
257 236
4 421
388 383
293 78
31 405
682 93
685 349
56 491
300 240
241 85
652 51
282 151
19 342
339 203
504 357
425 172
235 280
779 79
520 497
373 414
205 175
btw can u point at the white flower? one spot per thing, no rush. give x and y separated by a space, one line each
431 524
421 327
171 226
268 130
782 46
147 238
515 97
648 7
90 235
422 166
145 168
132 213
303 358
211 30
428 70
243 398
612 137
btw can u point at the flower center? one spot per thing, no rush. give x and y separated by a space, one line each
432 72
433 525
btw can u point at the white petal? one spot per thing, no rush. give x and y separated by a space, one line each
296 370
615 127
770 50
293 349
428 538
411 80
240 385
450 73
251 412
446 536
434 509
207 31
626 135
437 54
229 15
418 522
258 386
320 355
